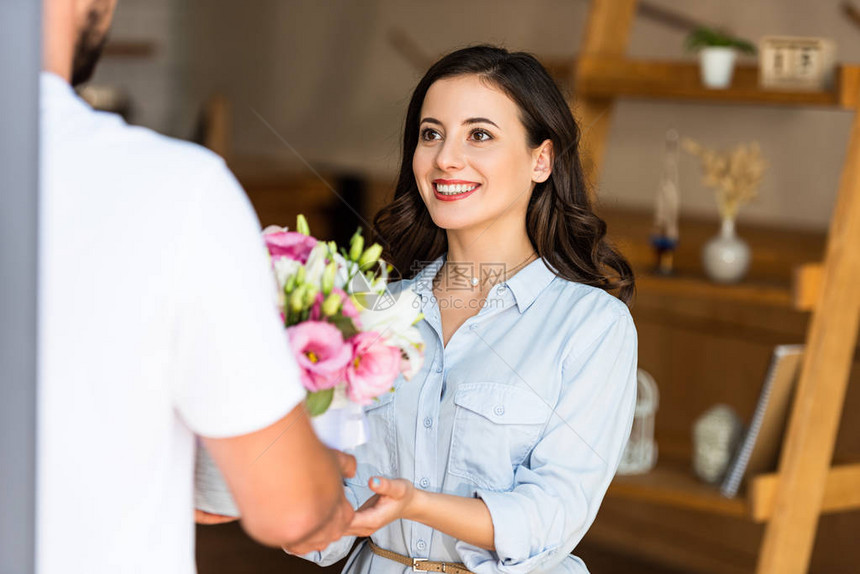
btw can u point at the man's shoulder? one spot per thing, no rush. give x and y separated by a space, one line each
143 149
79 139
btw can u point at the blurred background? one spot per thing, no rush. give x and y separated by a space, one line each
305 99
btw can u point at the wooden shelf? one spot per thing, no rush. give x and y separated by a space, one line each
770 294
673 484
615 77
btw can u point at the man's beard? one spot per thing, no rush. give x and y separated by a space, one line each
88 49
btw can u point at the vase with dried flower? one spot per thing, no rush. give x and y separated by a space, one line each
735 176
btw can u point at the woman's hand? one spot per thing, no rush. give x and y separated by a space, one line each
393 500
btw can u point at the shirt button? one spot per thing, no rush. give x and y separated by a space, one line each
425 482
428 422
421 545
438 368
472 327
499 410
502 288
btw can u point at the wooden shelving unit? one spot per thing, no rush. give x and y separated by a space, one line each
806 484
673 484
748 292
614 77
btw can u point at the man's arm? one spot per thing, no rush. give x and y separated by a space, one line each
286 484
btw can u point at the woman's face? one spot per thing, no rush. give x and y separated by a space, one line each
473 164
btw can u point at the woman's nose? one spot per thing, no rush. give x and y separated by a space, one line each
450 156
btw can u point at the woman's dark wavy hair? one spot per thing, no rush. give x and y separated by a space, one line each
560 222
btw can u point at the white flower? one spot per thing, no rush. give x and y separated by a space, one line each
315 265
394 318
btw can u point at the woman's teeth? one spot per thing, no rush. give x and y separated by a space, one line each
455 188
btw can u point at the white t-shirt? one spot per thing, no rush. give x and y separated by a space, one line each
157 321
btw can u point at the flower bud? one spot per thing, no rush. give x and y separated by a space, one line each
356 245
300 275
291 283
302 225
331 305
297 299
328 277
309 295
370 256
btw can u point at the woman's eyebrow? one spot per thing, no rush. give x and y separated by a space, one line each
480 121
465 122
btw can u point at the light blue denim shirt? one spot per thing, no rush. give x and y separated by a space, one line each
528 407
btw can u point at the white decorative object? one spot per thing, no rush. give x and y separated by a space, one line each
640 454
726 257
717 65
343 426
664 238
716 435
795 63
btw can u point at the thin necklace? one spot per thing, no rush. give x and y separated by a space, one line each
475 281
508 273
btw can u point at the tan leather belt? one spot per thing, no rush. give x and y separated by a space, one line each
420 564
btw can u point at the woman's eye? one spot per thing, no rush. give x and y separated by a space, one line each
428 134
481 135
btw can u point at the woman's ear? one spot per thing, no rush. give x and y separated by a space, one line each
543 156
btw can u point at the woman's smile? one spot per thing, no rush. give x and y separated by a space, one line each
454 189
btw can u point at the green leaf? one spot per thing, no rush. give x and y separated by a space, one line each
344 325
319 401
704 37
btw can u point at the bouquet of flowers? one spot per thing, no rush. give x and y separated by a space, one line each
350 335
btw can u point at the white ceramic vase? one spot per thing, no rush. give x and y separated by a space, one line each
717 63
726 257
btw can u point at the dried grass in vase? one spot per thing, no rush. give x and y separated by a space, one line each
735 175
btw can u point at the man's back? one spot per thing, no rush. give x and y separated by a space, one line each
156 322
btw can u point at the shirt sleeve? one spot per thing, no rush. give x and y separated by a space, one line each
558 491
235 373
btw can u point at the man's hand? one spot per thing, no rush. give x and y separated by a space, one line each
335 528
392 501
346 462
331 531
201 517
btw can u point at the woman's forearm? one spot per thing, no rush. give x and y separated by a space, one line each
467 519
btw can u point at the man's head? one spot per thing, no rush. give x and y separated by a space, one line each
75 34
93 21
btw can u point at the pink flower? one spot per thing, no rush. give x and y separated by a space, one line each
321 353
347 308
289 244
373 368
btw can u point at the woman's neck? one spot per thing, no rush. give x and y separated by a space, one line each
501 246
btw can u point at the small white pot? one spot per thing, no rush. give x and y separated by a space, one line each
717 64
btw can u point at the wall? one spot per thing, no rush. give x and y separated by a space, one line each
324 76
154 83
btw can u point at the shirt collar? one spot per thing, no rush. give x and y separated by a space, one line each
58 98
525 285
528 283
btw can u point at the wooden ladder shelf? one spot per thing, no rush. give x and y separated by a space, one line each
806 484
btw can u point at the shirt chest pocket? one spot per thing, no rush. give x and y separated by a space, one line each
495 427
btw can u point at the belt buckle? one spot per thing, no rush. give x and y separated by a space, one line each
416 562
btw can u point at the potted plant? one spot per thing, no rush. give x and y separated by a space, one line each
717 53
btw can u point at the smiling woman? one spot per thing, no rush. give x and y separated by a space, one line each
495 457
